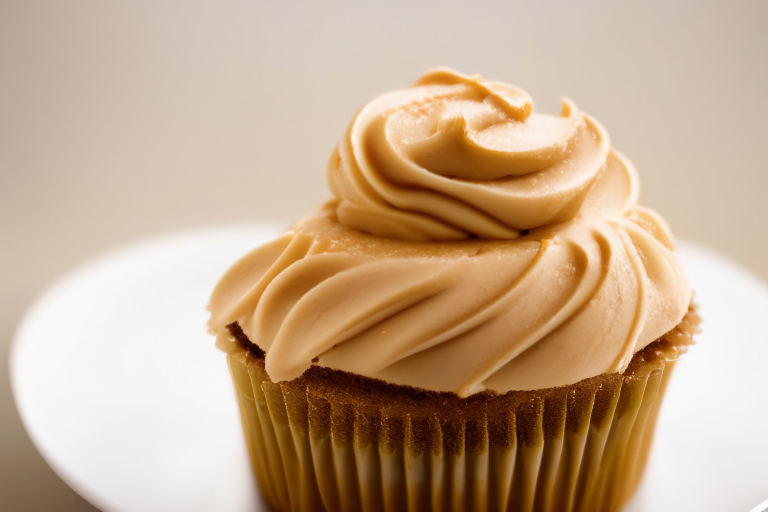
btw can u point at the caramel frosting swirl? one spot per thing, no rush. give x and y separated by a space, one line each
383 281
455 157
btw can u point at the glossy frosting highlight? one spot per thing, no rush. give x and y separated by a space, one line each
419 273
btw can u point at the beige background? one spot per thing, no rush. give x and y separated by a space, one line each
123 119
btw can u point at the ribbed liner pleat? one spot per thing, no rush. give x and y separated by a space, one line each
560 453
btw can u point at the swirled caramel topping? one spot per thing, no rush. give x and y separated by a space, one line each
419 272
455 157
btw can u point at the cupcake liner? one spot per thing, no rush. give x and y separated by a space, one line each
337 442
577 448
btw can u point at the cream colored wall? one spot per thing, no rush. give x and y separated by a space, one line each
121 120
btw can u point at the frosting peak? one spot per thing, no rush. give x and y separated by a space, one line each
455 157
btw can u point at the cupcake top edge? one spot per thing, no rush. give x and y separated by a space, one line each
471 244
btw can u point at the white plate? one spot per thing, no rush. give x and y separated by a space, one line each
122 391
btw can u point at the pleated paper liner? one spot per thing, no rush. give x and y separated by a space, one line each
332 441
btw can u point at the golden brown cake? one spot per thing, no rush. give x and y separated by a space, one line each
481 319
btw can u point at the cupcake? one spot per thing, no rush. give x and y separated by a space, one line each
481 319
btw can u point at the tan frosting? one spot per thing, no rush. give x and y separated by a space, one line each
472 245
456 156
